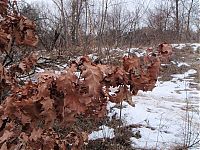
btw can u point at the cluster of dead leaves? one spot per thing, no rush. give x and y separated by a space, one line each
29 115
3 7
15 28
25 65
58 100
165 52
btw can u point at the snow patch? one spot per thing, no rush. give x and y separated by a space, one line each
39 70
182 64
186 74
179 46
105 132
194 46
161 112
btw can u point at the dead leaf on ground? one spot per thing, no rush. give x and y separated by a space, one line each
36 134
6 135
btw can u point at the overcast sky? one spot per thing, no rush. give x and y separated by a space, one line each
129 4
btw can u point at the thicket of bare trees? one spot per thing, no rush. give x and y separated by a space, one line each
82 25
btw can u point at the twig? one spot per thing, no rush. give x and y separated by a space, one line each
158 131
120 114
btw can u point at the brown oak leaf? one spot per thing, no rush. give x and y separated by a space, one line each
120 95
92 77
28 63
6 136
36 134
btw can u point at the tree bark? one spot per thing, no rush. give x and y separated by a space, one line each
177 21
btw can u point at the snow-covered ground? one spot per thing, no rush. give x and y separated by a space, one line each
194 46
104 132
164 111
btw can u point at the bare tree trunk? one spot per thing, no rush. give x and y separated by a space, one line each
73 30
76 12
64 24
177 21
60 5
86 26
188 21
102 25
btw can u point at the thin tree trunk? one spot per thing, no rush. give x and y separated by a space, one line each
73 30
86 26
64 24
188 21
177 20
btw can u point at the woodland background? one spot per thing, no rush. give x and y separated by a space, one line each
71 67
85 25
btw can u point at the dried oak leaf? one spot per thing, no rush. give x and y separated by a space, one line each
26 35
47 103
122 94
139 83
48 111
152 73
65 82
105 69
4 146
44 83
72 102
69 116
6 136
22 110
28 62
30 38
165 51
49 142
154 69
36 134
131 63
118 76
27 91
24 137
143 74
119 96
25 119
92 77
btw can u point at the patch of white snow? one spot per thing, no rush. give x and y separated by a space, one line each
104 132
